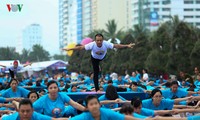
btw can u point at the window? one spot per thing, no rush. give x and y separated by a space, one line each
156 3
188 9
197 9
156 9
135 4
135 11
188 16
165 16
198 2
197 16
166 2
147 3
188 2
165 9
198 23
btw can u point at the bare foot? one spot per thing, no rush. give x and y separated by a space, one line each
99 91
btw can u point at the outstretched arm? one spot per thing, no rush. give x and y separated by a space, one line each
124 46
27 64
75 48
77 105
176 101
2 65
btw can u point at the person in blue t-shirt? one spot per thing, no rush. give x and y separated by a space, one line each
120 81
89 80
197 82
128 109
73 88
61 85
137 105
70 111
111 98
175 92
26 112
158 103
110 82
95 112
53 104
160 82
138 75
32 96
15 90
134 88
134 78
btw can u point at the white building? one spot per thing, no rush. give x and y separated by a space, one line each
187 10
104 10
31 35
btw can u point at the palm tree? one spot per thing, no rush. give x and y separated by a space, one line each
94 32
111 31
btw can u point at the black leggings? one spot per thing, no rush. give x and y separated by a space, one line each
95 64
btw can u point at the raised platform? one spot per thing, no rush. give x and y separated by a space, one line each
126 95
81 95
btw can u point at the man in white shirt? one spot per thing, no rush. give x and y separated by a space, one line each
98 49
14 68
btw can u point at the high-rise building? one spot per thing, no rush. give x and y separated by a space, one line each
187 10
31 35
105 10
87 17
70 22
63 22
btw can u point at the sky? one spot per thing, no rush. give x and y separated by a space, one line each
43 12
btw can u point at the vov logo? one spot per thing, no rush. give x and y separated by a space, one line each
14 7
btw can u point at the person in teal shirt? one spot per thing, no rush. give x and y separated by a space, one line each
15 90
137 105
53 104
128 109
26 112
96 112
111 96
158 103
134 88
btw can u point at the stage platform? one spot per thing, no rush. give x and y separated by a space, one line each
126 95
81 95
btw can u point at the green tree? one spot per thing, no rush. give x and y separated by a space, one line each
181 45
111 31
142 47
38 53
160 47
195 55
8 53
80 61
94 32
61 57
24 57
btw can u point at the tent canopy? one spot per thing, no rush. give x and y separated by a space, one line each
38 66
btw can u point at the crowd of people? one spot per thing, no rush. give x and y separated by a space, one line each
172 98
166 98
